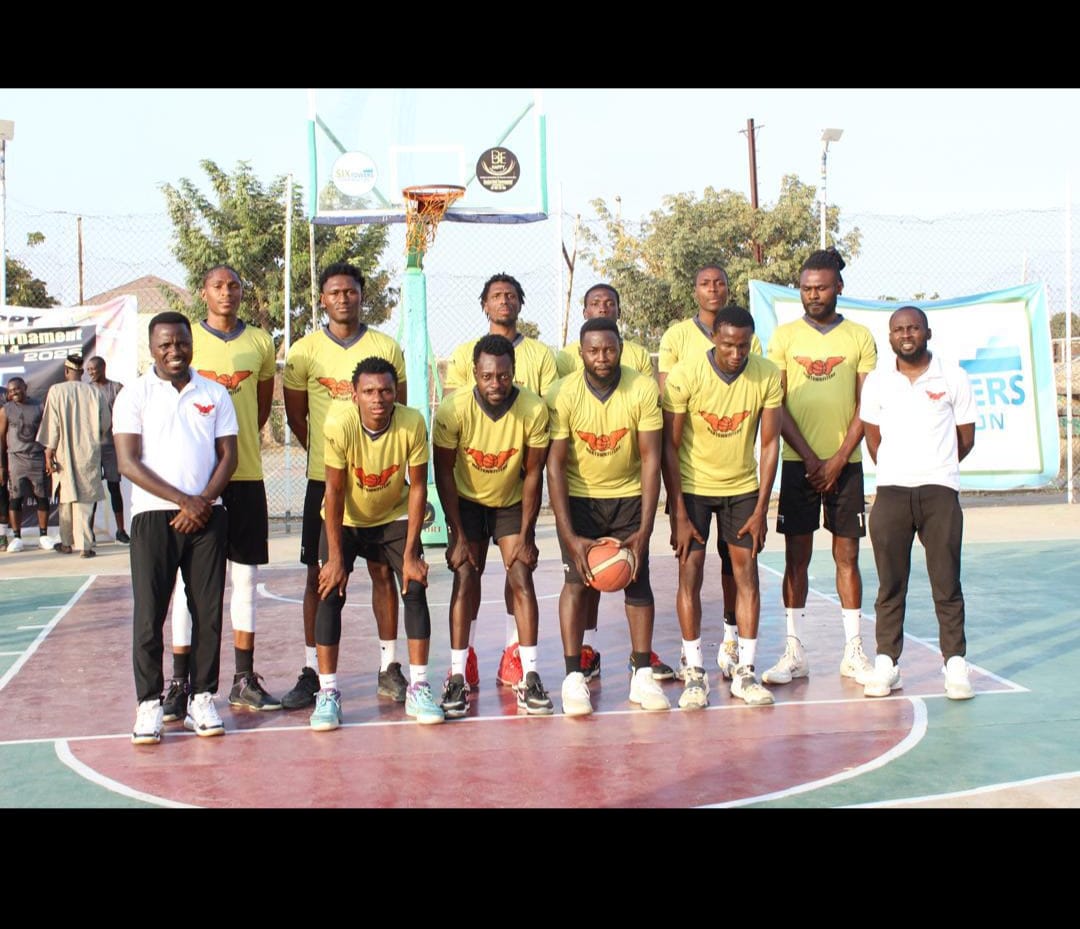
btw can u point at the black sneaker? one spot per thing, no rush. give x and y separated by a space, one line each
248 693
532 698
392 683
174 705
303 694
455 696
122 537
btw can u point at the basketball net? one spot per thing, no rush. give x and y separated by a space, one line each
425 206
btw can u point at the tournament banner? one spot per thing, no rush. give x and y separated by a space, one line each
1002 340
34 342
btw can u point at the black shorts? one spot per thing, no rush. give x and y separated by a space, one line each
484 523
110 469
249 522
312 528
800 505
618 518
731 514
383 544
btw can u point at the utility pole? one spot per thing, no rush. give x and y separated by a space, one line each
751 141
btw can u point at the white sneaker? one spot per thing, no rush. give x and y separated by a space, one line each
695 695
646 692
957 684
16 544
855 663
745 687
727 659
793 663
202 716
884 679
148 723
575 695
680 670
46 543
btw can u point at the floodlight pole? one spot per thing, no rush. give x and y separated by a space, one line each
827 136
7 132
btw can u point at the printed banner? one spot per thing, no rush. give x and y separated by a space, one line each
1002 340
34 343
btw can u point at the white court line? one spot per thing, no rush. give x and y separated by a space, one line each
261 588
973 792
9 654
918 730
33 647
39 626
63 752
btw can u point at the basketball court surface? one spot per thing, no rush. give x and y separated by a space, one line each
67 698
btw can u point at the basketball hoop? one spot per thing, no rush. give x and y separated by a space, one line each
425 206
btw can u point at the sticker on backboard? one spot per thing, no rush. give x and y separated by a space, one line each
498 170
355 174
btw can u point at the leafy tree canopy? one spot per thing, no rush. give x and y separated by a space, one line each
654 270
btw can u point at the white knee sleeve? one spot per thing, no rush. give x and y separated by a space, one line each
242 604
181 618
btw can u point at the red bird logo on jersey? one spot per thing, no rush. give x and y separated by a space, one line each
205 410
488 461
338 390
934 396
723 424
602 444
818 368
229 381
376 480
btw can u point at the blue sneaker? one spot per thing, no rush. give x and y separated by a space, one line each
420 703
327 713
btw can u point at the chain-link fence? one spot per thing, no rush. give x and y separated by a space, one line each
902 257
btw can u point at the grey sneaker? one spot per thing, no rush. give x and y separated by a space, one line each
745 687
792 664
695 695
248 693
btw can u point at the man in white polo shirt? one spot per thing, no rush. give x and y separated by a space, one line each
919 420
175 434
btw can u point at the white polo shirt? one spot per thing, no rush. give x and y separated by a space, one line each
178 430
918 422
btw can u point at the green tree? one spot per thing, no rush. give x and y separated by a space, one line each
243 225
654 269
23 289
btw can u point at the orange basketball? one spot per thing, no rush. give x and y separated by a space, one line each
611 566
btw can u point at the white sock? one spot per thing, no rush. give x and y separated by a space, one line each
472 634
311 657
511 630
458 657
795 617
527 654
387 653
731 632
418 673
328 681
587 638
851 623
692 651
747 651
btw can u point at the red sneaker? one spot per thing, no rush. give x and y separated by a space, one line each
472 670
509 667
590 662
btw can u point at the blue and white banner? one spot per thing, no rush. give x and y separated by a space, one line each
1002 340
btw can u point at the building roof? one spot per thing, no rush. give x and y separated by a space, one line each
146 290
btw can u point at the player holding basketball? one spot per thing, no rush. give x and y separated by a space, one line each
490 445
602 301
318 377
375 461
714 405
241 358
919 418
604 480
501 301
685 339
823 361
